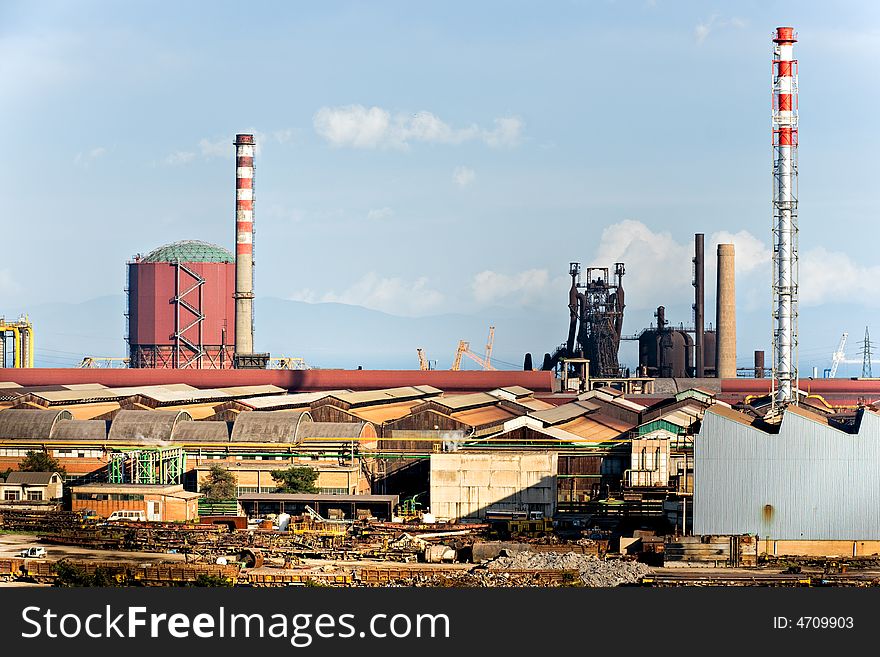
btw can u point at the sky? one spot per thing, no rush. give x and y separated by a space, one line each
445 157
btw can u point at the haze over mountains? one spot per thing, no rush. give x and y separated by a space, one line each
336 335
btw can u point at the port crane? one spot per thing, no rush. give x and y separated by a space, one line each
464 349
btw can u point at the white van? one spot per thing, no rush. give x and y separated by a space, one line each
128 514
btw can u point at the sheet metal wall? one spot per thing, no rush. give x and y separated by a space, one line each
810 482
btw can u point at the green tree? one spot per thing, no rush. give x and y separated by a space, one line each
220 484
296 480
40 462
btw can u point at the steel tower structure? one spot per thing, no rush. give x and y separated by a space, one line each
785 226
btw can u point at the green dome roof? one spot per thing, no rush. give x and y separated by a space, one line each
189 251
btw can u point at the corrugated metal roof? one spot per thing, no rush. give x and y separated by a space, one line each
80 430
202 431
596 427
564 412
296 400
268 426
189 251
30 478
25 424
366 397
385 412
476 417
330 430
461 402
145 427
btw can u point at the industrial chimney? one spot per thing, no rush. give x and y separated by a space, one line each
244 244
785 228
725 314
699 320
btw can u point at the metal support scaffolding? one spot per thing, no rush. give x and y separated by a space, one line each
164 466
20 334
785 225
181 341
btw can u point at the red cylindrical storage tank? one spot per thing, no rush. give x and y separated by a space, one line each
181 309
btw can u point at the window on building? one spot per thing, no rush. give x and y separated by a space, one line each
35 495
334 491
11 495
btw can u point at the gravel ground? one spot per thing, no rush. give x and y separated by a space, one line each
594 572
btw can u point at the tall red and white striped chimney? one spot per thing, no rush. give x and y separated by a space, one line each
785 225
244 244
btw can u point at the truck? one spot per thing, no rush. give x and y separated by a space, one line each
33 553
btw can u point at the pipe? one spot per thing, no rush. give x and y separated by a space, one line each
244 244
725 314
699 307
759 364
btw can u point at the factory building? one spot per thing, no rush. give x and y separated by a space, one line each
468 486
181 307
807 478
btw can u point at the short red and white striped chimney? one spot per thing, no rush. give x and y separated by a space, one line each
785 225
244 244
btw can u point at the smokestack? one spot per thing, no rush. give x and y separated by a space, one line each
725 315
759 364
785 228
699 308
244 244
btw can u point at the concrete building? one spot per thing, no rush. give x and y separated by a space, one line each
464 486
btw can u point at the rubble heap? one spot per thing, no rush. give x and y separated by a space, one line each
594 572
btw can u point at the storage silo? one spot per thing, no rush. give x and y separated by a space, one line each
181 307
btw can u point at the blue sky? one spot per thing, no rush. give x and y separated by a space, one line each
445 157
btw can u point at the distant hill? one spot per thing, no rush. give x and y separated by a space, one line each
334 335
326 335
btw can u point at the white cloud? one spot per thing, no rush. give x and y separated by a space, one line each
380 213
84 159
180 157
523 288
223 146
659 269
356 126
390 295
750 253
705 28
832 277
217 147
463 176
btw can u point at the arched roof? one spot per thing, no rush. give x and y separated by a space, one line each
145 427
27 424
268 426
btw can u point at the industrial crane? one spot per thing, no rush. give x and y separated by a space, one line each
464 349
838 356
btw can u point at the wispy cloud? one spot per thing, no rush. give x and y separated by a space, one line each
522 288
356 126
463 176
180 157
380 213
213 147
715 22
391 295
85 158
